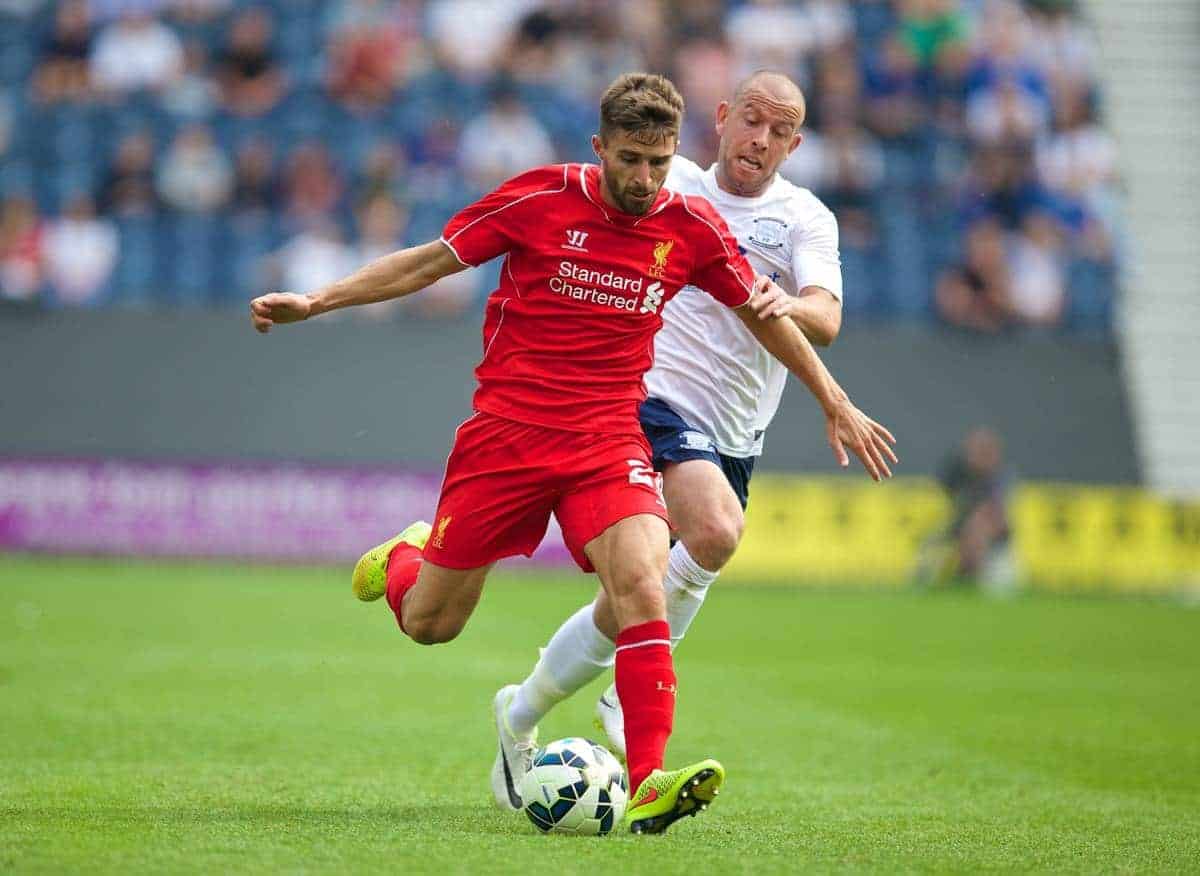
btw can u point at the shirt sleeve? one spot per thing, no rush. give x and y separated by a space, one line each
719 268
498 221
815 259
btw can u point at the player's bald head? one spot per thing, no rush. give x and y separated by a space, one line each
759 128
772 91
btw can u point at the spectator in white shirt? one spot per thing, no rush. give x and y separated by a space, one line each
195 176
80 253
503 141
134 53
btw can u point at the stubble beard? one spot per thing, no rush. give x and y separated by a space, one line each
729 181
624 202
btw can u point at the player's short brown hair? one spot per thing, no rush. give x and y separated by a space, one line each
646 105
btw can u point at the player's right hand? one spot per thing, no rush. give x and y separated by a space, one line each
847 426
278 307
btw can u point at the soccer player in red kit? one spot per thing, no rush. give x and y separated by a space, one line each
591 255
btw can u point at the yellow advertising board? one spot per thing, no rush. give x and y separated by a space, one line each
834 531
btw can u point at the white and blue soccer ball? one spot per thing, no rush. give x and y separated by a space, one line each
575 786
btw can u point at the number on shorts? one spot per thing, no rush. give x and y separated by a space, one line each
643 475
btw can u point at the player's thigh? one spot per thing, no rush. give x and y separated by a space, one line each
702 504
631 559
610 480
496 497
442 601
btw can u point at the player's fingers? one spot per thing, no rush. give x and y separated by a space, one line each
761 301
761 283
886 448
880 429
835 444
884 440
880 463
766 303
272 300
864 455
875 445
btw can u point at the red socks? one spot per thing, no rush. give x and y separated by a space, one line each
646 688
403 564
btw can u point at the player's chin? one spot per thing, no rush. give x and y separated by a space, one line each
638 206
750 176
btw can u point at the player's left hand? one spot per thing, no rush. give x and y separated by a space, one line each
847 426
769 301
275 308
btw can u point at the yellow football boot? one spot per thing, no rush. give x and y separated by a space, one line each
665 797
369 581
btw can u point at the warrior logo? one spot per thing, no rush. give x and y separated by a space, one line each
576 240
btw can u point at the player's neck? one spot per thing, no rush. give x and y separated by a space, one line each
725 184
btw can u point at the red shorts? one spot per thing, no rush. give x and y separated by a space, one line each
504 479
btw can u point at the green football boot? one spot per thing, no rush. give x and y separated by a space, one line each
666 797
369 581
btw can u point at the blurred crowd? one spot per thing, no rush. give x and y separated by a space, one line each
200 151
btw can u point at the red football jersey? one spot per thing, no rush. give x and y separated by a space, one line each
570 331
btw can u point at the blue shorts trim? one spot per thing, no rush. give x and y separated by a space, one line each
673 440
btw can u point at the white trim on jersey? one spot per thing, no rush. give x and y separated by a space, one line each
583 168
666 202
583 187
566 169
450 247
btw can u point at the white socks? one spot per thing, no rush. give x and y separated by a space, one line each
578 652
686 585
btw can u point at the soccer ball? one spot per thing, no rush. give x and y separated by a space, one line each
575 786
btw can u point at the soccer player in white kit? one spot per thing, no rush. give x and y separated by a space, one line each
712 392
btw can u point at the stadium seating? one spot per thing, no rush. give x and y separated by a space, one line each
58 150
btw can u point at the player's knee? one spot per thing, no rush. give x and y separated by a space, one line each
638 596
432 630
715 540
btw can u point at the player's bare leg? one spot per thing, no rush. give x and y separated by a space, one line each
706 514
431 603
708 519
631 558
436 608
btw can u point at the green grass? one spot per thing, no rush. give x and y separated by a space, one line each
182 718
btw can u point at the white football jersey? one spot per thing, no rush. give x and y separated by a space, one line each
707 365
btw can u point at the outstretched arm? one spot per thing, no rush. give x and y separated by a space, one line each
846 425
391 276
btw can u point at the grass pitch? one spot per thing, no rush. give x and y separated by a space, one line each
182 718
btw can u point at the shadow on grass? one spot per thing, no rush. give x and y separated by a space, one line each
330 820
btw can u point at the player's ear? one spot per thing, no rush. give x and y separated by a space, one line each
797 139
598 146
722 116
